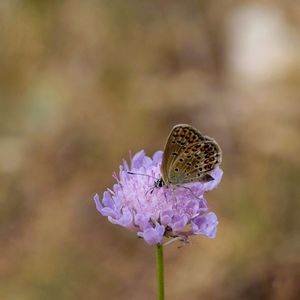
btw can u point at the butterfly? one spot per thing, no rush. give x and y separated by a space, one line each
188 157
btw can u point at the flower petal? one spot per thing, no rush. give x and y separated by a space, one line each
206 225
125 218
153 235
99 206
142 220
107 200
166 217
178 222
157 157
137 160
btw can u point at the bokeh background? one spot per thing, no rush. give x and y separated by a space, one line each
84 82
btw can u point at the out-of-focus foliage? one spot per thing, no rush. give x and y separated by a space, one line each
82 82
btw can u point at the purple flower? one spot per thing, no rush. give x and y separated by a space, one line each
155 213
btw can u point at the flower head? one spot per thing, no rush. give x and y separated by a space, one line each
155 213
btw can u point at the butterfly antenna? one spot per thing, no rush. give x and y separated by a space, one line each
149 176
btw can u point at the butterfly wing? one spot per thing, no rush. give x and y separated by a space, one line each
180 138
195 162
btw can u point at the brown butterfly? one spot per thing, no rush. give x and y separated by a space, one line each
188 157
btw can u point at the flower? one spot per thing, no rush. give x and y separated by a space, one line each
157 212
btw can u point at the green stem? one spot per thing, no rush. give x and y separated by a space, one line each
160 271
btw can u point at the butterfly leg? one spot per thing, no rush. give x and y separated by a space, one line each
151 189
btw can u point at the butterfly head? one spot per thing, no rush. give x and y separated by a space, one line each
159 183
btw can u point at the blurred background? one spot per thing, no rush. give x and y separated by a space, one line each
84 82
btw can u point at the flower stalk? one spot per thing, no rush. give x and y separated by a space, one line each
160 272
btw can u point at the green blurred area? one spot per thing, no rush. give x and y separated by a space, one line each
84 82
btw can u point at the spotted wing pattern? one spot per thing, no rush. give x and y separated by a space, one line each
189 156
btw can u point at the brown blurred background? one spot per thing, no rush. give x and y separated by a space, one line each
83 82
